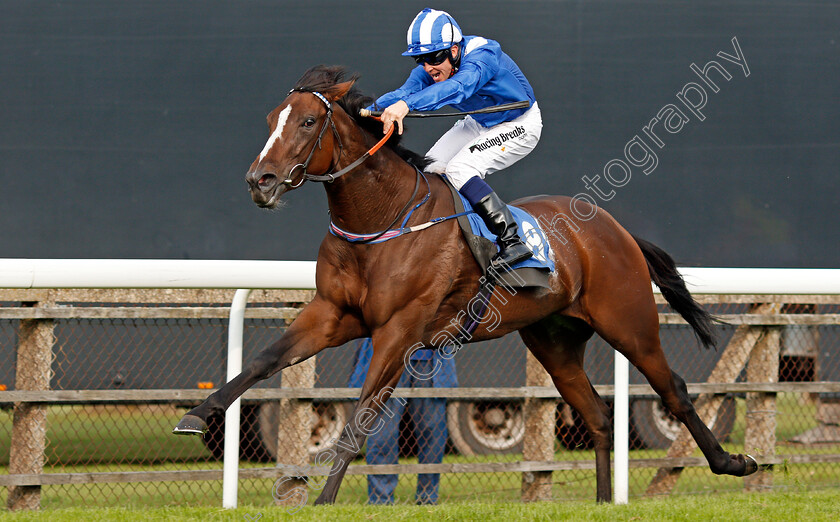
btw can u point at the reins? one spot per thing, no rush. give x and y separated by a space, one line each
488 283
332 176
388 232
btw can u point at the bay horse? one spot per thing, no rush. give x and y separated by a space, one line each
407 290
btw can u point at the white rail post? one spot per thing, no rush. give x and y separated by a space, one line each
236 328
621 428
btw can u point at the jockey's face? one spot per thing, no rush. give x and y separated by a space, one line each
442 71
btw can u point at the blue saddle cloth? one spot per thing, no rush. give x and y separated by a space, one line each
529 230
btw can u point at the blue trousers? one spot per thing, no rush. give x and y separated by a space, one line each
429 419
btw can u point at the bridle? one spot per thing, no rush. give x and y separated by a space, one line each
328 121
332 176
329 177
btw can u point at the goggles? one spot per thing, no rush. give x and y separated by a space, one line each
434 58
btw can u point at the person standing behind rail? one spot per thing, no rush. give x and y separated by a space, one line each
427 415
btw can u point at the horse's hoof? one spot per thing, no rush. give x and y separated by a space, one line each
751 465
190 425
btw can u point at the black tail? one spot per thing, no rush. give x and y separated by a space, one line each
663 272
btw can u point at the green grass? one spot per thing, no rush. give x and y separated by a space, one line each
90 434
102 439
808 506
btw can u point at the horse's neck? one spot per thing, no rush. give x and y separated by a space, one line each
369 198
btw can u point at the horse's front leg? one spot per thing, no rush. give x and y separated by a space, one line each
390 346
319 325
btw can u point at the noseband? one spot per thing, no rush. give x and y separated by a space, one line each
330 176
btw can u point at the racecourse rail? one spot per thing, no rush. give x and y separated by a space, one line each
247 275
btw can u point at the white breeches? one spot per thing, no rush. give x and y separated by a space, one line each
468 149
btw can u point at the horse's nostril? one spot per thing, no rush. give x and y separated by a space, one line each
267 179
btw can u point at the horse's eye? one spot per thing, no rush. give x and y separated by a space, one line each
308 122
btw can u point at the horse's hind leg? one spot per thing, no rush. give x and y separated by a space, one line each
560 350
633 330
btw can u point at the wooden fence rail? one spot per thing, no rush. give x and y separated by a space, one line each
755 346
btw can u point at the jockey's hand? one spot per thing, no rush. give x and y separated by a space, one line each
394 113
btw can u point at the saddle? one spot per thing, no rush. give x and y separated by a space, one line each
533 272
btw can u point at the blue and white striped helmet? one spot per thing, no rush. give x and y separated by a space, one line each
431 31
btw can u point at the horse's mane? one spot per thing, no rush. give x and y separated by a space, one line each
325 78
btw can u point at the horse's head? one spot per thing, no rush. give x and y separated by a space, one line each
303 139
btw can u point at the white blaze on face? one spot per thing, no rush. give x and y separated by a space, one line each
278 130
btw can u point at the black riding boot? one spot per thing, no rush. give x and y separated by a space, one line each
500 221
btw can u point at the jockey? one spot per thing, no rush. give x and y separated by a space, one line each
469 73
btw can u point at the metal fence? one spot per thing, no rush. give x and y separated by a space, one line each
94 380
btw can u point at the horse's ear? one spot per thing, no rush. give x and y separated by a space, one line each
340 89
